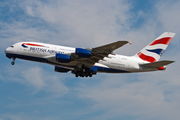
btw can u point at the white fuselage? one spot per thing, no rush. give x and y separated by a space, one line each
46 52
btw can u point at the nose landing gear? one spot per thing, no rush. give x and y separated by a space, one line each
13 62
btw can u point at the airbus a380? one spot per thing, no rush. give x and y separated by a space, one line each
87 62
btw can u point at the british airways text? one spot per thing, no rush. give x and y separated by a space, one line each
45 50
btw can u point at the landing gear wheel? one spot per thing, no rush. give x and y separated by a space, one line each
82 75
90 75
76 75
12 62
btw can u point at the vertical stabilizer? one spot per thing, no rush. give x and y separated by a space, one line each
155 49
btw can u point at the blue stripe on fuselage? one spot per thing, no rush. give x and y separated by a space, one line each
108 70
97 68
33 59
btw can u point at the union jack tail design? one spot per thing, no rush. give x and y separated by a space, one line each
155 49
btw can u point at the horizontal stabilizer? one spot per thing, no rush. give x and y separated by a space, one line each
157 64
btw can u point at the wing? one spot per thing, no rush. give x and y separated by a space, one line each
110 47
99 53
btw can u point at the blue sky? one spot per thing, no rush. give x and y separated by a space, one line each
31 90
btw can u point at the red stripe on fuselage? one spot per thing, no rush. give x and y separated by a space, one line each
165 41
33 44
146 58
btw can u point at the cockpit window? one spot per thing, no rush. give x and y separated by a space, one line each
12 46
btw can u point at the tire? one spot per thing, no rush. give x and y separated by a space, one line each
76 75
12 62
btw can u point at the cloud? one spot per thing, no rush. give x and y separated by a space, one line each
14 117
36 78
142 99
168 15
88 23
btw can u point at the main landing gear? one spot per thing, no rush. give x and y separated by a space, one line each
83 74
13 62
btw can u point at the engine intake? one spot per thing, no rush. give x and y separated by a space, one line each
83 53
63 58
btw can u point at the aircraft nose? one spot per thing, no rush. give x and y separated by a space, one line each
8 50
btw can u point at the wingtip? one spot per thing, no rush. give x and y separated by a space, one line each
130 41
173 61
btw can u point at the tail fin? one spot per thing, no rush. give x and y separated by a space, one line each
155 49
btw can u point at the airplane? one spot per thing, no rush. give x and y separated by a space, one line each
85 62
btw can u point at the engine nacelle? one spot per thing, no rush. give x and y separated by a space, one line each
63 58
59 69
83 53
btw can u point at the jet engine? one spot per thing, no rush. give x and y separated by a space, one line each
83 53
59 69
63 58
